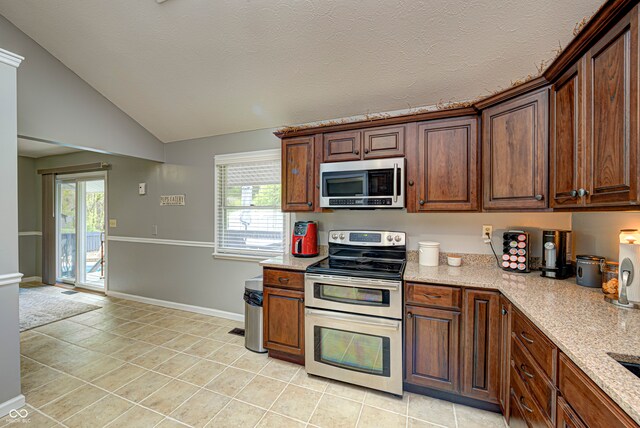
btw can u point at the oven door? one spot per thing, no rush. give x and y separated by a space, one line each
376 297
356 349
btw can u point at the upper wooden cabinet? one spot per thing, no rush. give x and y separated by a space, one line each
446 166
298 174
371 143
515 149
594 138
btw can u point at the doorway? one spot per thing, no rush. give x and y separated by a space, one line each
81 205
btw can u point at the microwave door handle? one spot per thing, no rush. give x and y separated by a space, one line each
395 182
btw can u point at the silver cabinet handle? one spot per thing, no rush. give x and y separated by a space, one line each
354 319
395 182
539 197
583 192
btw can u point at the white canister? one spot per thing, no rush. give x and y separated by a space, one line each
429 253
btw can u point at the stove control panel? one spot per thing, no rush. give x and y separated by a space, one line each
367 238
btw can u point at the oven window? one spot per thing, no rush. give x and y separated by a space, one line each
347 184
354 351
351 295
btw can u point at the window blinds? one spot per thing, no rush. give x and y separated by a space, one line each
248 219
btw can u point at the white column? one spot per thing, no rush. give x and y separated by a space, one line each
10 391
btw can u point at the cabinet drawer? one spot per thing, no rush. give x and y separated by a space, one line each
533 340
283 279
530 410
592 405
533 378
433 295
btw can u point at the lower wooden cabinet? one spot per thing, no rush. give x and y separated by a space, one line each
283 328
431 348
566 417
505 355
516 418
481 345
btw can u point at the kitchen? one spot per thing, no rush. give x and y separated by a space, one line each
548 336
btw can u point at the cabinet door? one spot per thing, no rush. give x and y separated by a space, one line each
515 418
432 343
481 345
385 142
298 171
612 110
566 417
342 146
447 165
505 354
515 148
283 320
566 153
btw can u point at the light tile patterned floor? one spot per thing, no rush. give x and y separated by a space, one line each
135 365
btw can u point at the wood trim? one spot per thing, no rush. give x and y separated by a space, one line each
75 169
604 19
512 92
383 121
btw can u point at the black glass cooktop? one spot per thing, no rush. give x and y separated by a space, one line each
369 268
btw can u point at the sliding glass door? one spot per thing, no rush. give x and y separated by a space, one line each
81 216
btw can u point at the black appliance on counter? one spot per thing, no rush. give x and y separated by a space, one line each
556 254
515 251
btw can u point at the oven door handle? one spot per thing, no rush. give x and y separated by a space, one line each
395 182
353 282
355 319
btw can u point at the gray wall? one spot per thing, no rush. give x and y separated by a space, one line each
9 324
597 233
29 215
57 105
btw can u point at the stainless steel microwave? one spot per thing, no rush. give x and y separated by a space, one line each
377 183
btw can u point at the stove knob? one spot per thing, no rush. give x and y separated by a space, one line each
342 236
389 238
397 238
334 236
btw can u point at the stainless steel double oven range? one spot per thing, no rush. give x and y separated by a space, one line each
353 310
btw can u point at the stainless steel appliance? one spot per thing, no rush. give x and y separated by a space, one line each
353 314
556 254
589 270
253 290
377 183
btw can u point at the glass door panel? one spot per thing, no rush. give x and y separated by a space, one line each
66 230
92 220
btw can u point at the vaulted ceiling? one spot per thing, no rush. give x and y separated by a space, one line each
192 68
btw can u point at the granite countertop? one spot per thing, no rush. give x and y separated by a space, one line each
576 319
292 263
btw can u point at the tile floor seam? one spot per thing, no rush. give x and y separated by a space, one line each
274 402
455 417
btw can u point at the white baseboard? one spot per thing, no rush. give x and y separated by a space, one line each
31 279
9 405
180 306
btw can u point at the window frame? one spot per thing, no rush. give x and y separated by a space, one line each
249 255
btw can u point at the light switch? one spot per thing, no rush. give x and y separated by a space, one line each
142 188
113 222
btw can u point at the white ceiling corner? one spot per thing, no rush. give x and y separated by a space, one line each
192 68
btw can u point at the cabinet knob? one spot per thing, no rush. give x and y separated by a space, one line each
366 150
409 315
310 204
539 197
583 192
356 151
504 311
317 186
573 193
410 182
421 201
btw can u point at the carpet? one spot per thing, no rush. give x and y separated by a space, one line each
45 304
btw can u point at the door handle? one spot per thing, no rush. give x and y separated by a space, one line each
527 408
432 296
523 367
354 319
395 182
523 335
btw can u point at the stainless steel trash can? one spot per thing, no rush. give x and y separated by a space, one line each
253 314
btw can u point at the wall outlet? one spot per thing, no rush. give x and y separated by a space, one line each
142 188
113 222
487 229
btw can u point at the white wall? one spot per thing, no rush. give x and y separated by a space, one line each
54 104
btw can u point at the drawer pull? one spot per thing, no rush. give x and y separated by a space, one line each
431 296
283 280
527 408
524 337
523 367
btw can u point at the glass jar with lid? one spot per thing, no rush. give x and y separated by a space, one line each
610 279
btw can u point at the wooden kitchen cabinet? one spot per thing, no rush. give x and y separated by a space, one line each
447 165
515 150
298 174
566 417
505 355
369 143
283 323
481 345
432 347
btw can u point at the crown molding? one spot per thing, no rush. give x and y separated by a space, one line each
10 58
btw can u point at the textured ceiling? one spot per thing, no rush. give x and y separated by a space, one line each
193 68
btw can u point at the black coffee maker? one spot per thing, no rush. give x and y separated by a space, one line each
556 254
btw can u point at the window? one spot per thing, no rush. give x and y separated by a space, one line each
248 220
